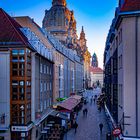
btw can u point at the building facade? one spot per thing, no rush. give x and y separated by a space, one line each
62 25
39 69
121 61
96 73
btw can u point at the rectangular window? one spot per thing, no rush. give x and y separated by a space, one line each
15 66
44 86
21 66
50 71
14 59
50 86
44 69
45 104
21 52
41 87
14 52
40 68
14 83
47 86
47 70
21 83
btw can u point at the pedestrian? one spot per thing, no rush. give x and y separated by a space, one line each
86 111
101 127
99 108
83 112
94 100
91 101
75 125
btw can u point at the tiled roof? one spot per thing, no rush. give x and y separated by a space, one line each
10 30
96 70
131 5
69 104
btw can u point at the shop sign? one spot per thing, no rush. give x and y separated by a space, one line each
116 132
19 128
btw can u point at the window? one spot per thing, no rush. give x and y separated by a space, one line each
41 87
21 66
116 42
45 86
41 106
14 59
21 83
21 59
120 62
47 70
15 65
21 52
50 71
14 52
44 69
40 68
50 85
14 83
45 104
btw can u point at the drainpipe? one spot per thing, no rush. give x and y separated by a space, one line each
136 67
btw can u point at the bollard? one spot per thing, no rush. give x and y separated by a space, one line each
108 136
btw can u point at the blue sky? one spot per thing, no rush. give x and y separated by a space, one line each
94 15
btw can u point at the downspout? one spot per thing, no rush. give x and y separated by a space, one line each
136 67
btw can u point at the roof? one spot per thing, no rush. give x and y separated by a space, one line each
96 70
76 97
69 104
131 5
10 30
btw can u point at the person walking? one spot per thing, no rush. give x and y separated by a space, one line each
75 125
86 111
91 100
101 127
83 112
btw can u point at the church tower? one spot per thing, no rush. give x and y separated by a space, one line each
94 60
82 41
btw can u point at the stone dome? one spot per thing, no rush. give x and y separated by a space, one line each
57 19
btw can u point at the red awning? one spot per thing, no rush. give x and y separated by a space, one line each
69 104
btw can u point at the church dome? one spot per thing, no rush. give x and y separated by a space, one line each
57 19
59 2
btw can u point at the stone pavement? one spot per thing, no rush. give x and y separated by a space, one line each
88 127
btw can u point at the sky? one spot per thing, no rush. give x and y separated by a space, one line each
95 15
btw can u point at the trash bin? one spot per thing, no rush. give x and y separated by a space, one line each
108 136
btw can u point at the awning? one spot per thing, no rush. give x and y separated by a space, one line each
60 115
69 104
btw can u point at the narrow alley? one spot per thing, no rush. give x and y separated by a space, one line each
88 127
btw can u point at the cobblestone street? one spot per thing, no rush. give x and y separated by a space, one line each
88 127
